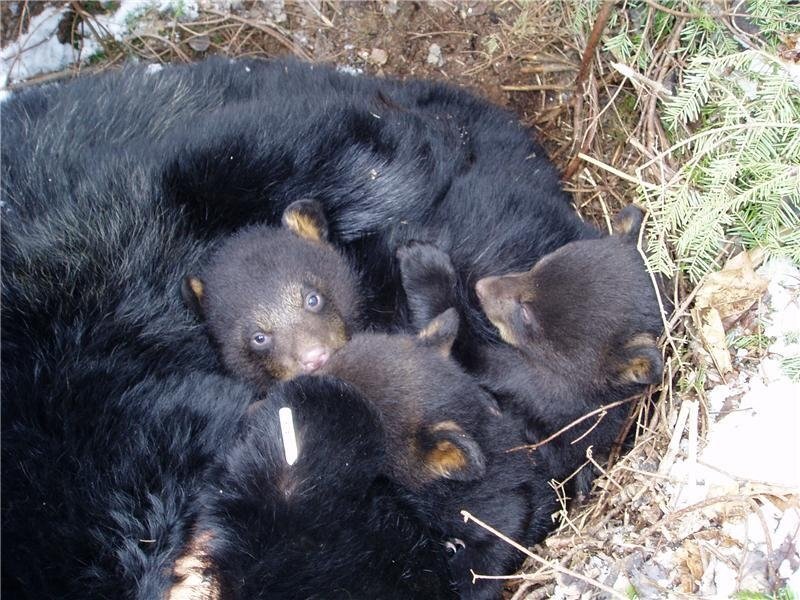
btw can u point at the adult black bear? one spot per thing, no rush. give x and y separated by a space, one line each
390 162
323 521
115 186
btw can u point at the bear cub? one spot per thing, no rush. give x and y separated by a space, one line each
277 301
580 329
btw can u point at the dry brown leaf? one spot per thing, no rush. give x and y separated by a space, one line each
733 290
690 566
712 335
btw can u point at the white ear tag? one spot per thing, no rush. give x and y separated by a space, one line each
287 433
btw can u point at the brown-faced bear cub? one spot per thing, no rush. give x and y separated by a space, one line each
581 327
277 301
431 409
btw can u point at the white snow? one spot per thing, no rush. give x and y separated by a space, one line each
350 70
759 441
39 51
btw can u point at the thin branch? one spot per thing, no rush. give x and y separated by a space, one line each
554 566
577 421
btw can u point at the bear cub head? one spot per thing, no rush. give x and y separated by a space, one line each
434 414
588 311
278 301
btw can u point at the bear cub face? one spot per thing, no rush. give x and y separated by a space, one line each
587 311
432 411
278 302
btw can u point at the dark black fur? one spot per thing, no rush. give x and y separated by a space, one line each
389 162
329 526
365 491
115 186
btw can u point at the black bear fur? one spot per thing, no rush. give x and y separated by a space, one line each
114 409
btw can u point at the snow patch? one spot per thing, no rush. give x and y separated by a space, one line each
354 71
39 50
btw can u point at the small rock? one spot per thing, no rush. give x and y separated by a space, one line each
378 57
200 43
392 7
435 57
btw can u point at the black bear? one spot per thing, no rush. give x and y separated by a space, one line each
115 186
583 323
431 409
277 301
314 518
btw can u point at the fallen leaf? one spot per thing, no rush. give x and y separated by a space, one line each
712 335
199 43
690 566
733 290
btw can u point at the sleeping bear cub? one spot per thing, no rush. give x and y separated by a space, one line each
580 329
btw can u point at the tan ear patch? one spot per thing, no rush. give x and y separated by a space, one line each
431 332
447 426
637 369
302 225
441 332
445 458
196 286
505 333
624 224
641 339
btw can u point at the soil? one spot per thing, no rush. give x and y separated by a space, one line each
15 17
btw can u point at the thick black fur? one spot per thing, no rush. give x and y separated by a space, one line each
329 526
356 503
116 186
390 162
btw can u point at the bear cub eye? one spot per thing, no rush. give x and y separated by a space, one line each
314 301
260 341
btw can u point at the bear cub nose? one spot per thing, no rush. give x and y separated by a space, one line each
314 359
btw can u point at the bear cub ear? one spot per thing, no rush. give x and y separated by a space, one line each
628 222
306 219
641 362
441 332
192 289
450 453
